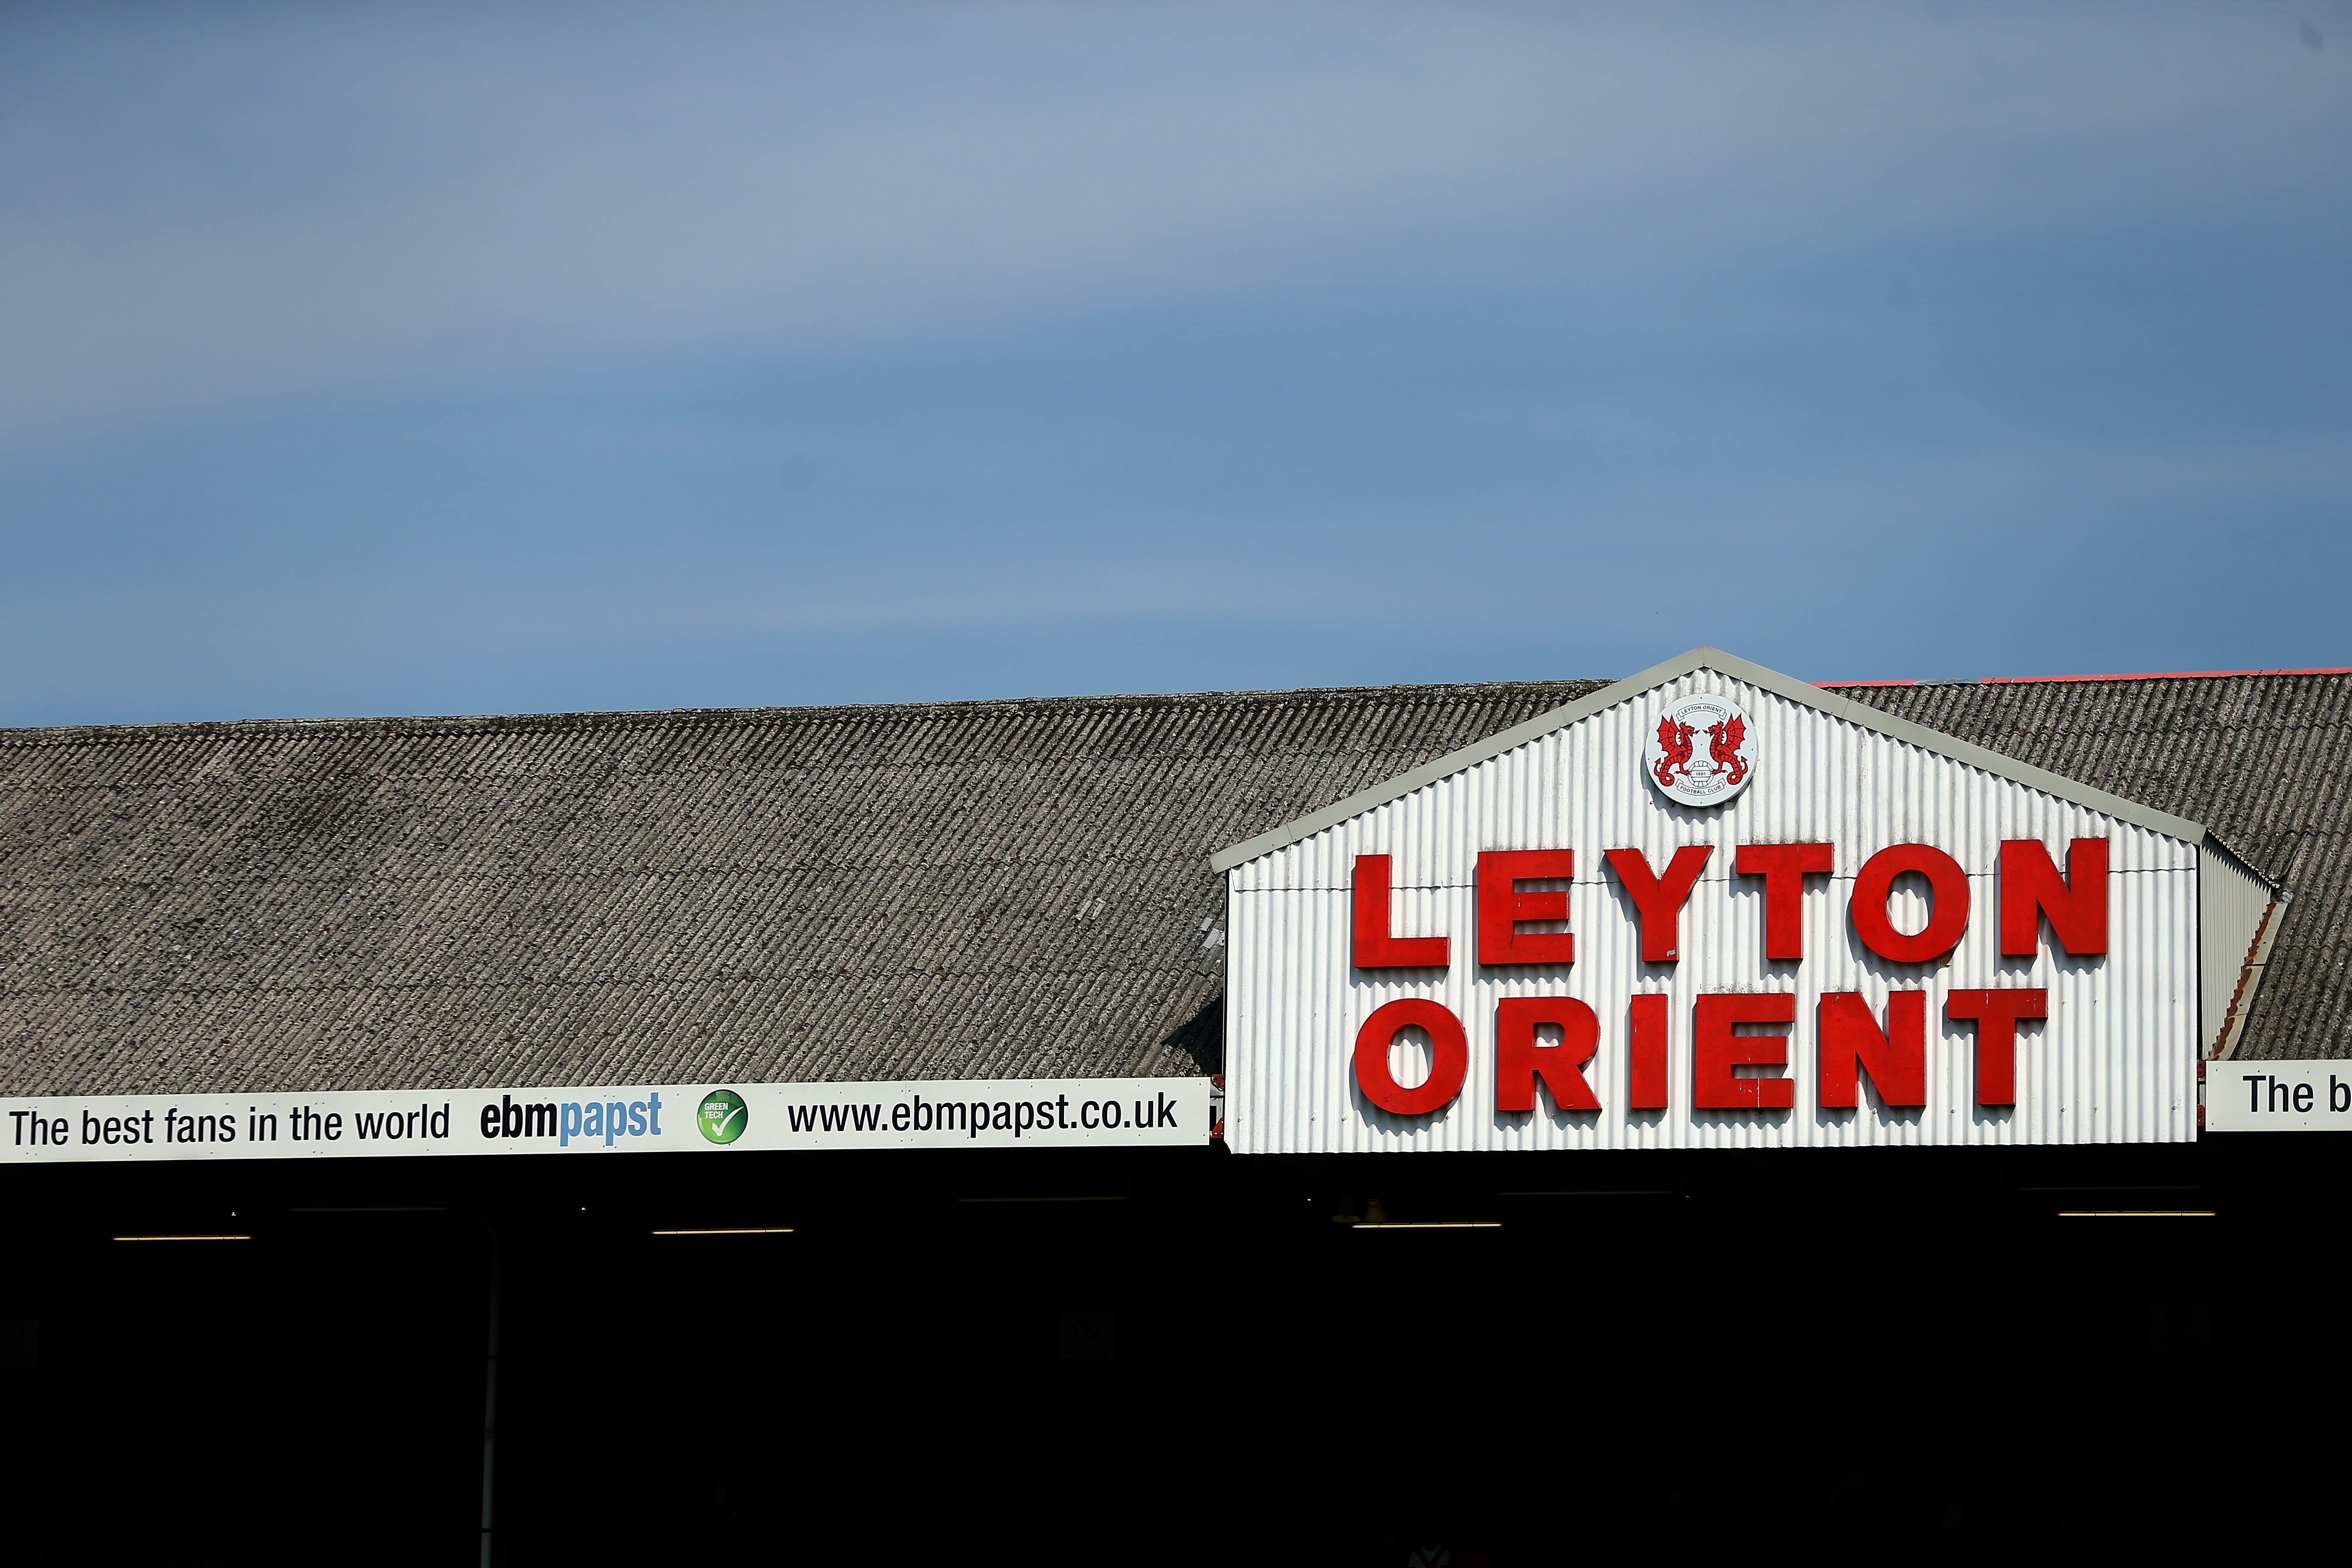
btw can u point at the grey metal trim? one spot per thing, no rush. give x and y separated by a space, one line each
1739 669
2215 843
2250 980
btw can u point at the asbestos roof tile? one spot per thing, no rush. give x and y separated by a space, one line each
932 890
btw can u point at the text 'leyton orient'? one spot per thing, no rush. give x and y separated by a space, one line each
1850 1037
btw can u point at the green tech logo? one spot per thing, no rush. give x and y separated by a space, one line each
722 1116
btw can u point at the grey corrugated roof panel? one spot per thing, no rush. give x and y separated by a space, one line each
849 893
771 893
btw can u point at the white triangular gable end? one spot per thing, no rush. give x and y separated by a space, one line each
2114 1060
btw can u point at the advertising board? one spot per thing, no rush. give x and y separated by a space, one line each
2278 1097
628 1118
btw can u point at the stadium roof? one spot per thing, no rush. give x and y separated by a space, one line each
983 889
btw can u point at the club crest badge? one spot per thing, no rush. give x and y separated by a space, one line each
1701 752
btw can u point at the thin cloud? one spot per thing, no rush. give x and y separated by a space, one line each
206 208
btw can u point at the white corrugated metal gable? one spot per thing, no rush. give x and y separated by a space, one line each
2115 1060
1739 670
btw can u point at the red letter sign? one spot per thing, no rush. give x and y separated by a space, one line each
1519 1060
1449 1057
1896 1058
1997 1013
1946 920
1659 899
1784 868
1645 1064
1500 903
1716 1050
1375 948
2031 888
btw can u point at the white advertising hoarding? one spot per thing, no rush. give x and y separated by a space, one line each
2278 1097
973 1114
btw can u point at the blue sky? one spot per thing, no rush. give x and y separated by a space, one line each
490 358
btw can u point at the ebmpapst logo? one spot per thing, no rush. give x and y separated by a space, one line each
722 1116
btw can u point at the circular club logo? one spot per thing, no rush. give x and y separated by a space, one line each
722 1116
1700 754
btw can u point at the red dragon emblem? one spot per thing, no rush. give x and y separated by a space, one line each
1723 743
1690 777
1675 741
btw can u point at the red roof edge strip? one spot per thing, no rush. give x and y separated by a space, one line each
2039 680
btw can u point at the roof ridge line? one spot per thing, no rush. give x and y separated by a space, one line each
654 718
2051 680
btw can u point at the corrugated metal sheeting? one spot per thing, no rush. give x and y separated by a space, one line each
2116 1060
2233 900
978 889
2263 759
